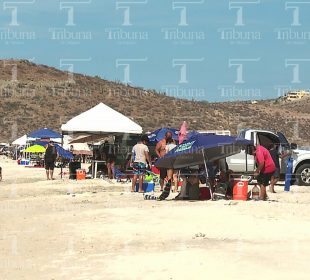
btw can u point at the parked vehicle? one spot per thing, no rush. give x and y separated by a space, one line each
5 150
244 163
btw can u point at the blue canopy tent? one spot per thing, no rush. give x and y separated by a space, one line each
159 134
44 133
201 148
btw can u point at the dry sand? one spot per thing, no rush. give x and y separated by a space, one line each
106 232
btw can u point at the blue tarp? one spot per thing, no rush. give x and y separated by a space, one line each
61 151
194 150
159 134
44 133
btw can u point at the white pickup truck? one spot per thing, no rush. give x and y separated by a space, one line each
244 163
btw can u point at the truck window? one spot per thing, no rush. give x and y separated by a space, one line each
252 136
283 141
266 139
241 134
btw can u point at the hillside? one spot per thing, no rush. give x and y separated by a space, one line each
35 96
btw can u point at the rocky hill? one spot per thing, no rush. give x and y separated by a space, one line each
35 96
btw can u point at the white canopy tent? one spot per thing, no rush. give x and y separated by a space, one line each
101 120
20 141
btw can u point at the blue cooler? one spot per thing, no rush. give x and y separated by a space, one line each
147 187
25 162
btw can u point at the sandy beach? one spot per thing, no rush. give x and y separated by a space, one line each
106 232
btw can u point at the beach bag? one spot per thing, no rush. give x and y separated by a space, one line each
193 192
204 193
220 191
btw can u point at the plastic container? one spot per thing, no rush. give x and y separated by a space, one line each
180 184
147 187
240 190
80 174
24 162
255 193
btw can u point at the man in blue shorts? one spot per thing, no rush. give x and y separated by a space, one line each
139 158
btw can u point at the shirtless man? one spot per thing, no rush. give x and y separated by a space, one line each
161 150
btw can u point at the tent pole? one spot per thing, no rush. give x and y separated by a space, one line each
206 169
62 145
246 159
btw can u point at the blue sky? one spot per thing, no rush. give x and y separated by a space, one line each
202 49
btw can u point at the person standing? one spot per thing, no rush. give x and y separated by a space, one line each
49 160
171 173
140 158
265 168
109 151
273 150
161 150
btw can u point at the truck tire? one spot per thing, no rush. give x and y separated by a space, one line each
303 175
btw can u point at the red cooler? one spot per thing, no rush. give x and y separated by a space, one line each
240 191
80 174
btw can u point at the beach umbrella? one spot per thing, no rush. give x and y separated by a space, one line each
159 134
201 148
44 133
35 149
